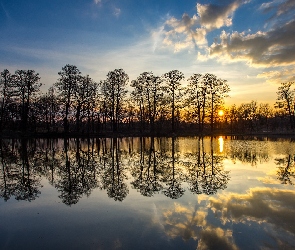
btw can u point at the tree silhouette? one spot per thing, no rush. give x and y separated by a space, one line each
6 94
114 92
217 90
67 86
26 85
194 98
147 93
285 99
173 87
46 109
85 95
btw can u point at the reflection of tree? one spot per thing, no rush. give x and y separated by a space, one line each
48 155
173 177
8 170
286 169
248 151
113 172
146 169
76 174
28 181
205 172
19 176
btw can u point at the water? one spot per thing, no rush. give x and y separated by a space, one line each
147 193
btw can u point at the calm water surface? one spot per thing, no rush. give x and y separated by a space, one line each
147 193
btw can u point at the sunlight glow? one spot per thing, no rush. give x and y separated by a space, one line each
220 112
220 142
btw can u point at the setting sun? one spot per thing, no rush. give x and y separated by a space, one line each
220 112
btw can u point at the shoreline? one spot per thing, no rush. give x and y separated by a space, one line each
20 135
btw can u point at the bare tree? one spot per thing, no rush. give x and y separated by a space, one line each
194 98
217 89
147 92
66 86
114 91
85 94
5 92
286 97
173 88
26 84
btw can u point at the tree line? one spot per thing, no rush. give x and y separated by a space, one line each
75 103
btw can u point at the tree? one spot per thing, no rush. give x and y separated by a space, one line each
147 93
67 85
194 98
45 110
217 89
85 94
138 95
26 84
286 97
114 92
5 92
173 88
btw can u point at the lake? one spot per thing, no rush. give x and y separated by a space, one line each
147 193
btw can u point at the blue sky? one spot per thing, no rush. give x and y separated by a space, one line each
248 42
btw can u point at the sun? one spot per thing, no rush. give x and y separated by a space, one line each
220 112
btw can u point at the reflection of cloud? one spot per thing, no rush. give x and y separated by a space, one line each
191 223
216 238
276 207
182 221
267 210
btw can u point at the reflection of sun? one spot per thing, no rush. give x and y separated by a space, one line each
221 112
220 141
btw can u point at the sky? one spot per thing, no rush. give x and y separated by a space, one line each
250 43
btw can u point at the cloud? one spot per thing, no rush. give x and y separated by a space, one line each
280 7
286 7
190 32
262 49
216 16
184 33
116 11
97 1
271 47
278 76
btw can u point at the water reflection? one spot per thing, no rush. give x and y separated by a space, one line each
286 169
192 193
20 176
76 167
